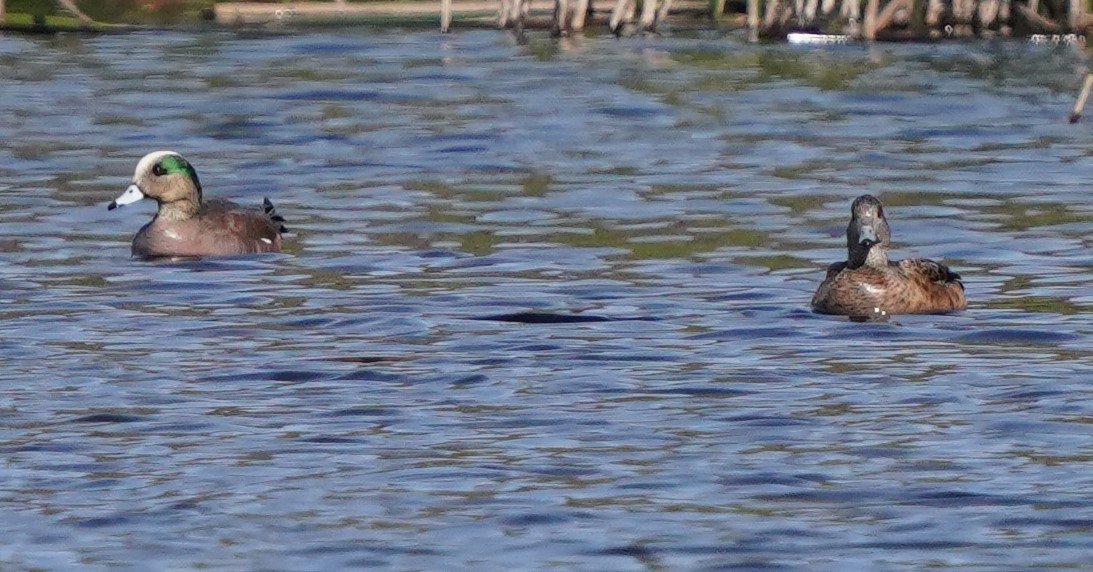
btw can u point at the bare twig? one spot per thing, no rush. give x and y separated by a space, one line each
1083 95
71 7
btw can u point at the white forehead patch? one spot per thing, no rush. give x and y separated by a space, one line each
171 233
266 240
148 161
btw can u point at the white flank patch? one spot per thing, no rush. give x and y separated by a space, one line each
266 240
873 290
172 234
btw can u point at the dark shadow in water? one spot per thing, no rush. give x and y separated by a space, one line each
107 418
551 318
364 359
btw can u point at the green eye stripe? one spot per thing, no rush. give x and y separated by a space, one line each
176 165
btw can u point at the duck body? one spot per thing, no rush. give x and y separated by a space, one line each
185 225
913 286
867 284
221 228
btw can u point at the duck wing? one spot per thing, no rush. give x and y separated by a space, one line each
931 271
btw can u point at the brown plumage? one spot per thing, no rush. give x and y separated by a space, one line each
186 225
869 285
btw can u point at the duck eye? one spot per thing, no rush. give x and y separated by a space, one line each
158 170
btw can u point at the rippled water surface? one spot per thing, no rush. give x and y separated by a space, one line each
341 405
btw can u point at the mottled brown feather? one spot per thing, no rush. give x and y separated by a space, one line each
877 286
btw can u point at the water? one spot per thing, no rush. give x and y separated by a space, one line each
339 405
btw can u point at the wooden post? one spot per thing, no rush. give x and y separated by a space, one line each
1 12
753 20
869 31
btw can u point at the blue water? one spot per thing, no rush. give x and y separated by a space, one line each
341 406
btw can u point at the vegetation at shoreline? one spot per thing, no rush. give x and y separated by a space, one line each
51 13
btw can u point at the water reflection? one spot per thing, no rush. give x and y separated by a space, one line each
342 404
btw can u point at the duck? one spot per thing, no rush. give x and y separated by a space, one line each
868 285
186 224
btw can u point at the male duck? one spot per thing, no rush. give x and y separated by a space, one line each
869 285
186 225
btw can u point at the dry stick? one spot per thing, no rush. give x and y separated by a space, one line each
1042 24
1083 95
884 19
933 13
771 15
717 9
561 18
445 15
652 14
753 20
71 7
870 25
851 10
811 6
918 18
580 11
988 13
648 15
662 12
623 12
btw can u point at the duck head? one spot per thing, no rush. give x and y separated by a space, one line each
868 237
167 178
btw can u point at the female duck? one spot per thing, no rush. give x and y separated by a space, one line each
868 284
186 225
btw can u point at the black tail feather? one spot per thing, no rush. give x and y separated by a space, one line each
271 212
